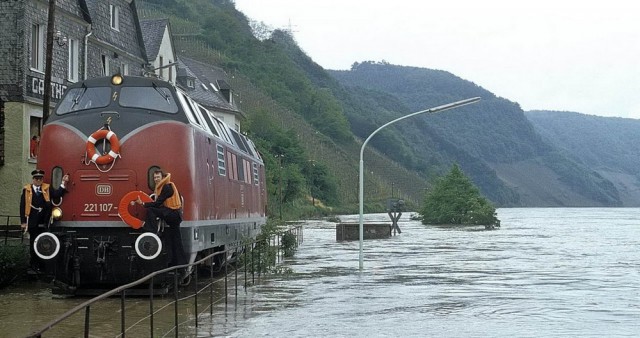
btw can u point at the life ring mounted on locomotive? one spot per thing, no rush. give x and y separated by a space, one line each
123 208
103 159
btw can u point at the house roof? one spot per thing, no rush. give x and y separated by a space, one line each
207 84
152 34
85 11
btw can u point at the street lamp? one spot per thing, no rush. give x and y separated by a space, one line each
361 174
279 157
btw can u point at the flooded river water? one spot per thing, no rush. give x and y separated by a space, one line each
547 272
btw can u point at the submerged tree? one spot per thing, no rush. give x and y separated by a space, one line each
455 200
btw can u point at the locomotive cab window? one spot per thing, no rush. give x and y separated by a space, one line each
56 176
223 131
187 109
82 98
150 182
239 141
152 98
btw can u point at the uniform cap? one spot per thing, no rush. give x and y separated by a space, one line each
37 173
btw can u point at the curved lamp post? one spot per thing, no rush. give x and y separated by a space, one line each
361 175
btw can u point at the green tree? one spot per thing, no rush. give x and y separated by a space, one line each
455 200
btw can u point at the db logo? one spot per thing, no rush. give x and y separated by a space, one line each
103 189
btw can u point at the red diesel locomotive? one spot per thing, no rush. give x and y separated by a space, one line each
110 134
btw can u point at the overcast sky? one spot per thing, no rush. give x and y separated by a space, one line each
581 56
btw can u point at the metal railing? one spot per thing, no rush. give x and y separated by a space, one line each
254 256
10 227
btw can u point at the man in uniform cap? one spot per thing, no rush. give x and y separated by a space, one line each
35 207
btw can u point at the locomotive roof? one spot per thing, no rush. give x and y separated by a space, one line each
186 110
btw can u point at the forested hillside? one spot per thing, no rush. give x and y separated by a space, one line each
308 122
310 152
492 140
609 145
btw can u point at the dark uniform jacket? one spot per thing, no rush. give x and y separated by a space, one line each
35 208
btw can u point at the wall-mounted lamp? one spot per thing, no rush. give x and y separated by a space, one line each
60 39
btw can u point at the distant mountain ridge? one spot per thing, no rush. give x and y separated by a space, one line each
608 145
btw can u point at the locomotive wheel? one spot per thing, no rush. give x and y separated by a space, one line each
46 245
148 246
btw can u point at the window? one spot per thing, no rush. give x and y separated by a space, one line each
247 145
239 141
247 171
187 108
205 116
240 169
256 176
37 47
222 169
125 69
160 69
115 17
223 129
233 168
150 182
73 60
35 127
253 148
210 121
158 98
191 83
170 72
196 113
105 65
84 98
56 176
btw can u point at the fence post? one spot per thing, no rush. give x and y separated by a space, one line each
151 307
211 287
86 321
195 290
226 275
175 299
253 271
122 313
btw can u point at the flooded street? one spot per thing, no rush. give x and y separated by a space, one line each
546 272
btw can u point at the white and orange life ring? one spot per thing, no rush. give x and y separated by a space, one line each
94 156
123 208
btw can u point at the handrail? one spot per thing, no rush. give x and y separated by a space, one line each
11 230
297 231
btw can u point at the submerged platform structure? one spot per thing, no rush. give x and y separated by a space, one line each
351 231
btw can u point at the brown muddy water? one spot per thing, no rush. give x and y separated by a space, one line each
558 272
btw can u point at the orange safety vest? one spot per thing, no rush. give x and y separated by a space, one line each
28 195
172 202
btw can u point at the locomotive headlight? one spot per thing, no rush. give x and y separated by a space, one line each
56 213
116 80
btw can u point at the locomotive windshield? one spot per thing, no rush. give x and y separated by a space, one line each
84 98
153 98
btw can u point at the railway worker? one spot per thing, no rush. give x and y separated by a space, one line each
35 208
166 206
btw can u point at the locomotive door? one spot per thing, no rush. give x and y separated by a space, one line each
96 194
